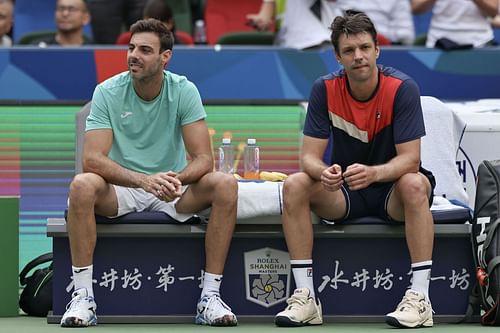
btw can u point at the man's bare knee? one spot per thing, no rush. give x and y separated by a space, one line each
84 187
297 185
413 189
225 188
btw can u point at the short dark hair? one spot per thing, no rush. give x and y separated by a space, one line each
158 9
352 22
157 27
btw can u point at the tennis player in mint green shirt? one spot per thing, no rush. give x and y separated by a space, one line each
141 126
147 134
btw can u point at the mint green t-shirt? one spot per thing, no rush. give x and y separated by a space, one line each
147 135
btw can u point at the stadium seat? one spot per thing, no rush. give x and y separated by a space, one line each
184 37
420 40
225 16
28 38
383 40
246 38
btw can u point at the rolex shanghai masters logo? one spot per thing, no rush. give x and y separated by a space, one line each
267 276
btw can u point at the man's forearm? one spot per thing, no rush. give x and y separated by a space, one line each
113 172
267 9
196 169
313 167
395 168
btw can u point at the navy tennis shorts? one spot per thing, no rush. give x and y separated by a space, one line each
373 200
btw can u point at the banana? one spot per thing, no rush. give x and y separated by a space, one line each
238 177
281 175
272 176
264 175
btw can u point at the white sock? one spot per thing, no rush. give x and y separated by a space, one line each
421 276
303 274
211 284
82 278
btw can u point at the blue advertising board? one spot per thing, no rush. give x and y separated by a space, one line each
161 276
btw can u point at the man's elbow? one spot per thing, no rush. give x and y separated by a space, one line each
414 166
90 164
208 163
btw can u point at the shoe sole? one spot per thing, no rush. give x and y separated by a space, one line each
225 321
77 322
395 323
283 321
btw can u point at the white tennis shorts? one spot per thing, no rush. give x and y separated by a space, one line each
138 200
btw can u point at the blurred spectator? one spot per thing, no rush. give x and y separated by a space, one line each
70 16
111 17
6 10
392 18
268 14
458 24
302 24
160 10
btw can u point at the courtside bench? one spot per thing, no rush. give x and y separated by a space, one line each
150 272
148 268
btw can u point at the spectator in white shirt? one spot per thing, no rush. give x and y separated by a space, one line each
460 23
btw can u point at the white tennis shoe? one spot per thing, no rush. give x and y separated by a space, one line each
302 310
80 311
413 311
214 312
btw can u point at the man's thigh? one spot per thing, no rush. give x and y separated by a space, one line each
117 201
199 196
108 205
395 206
138 200
326 204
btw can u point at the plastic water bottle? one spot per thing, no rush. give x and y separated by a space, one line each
251 160
200 36
226 156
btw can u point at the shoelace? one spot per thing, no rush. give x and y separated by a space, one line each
217 304
75 300
409 302
296 300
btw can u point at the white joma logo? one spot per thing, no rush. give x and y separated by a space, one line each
126 114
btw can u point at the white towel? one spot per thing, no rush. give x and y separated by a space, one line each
444 130
440 203
259 199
